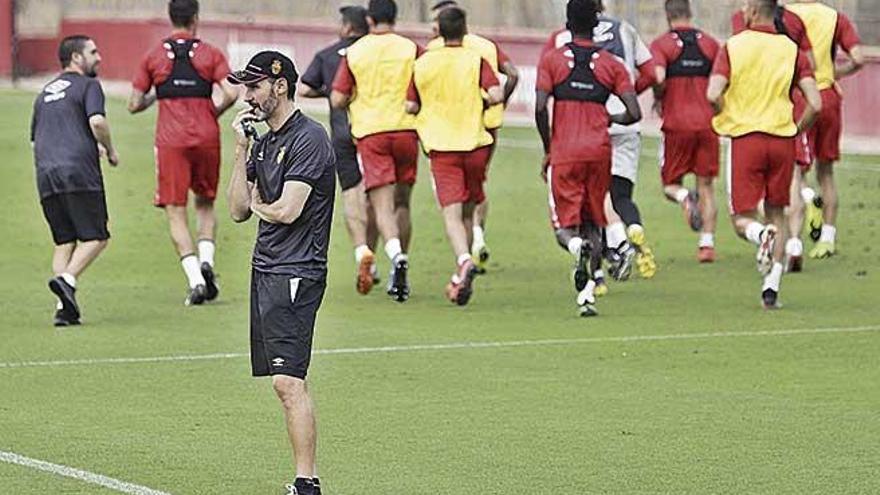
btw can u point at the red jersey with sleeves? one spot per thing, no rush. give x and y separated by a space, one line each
183 122
794 26
580 129
685 107
845 35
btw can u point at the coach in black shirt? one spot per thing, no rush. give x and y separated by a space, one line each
67 126
288 181
316 81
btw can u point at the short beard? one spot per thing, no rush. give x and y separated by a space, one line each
267 108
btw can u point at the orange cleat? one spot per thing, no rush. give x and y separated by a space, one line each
365 279
706 254
461 287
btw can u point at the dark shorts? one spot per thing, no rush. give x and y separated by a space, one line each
347 168
179 170
283 310
76 217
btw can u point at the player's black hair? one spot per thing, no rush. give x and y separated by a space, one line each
453 23
69 46
356 17
582 17
600 7
382 11
183 12
678 9
444 3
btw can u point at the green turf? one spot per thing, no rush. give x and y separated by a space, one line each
779 414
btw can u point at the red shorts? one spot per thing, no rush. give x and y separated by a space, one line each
459 176
683 152
823 138
180 169
577 193
388 158
760 167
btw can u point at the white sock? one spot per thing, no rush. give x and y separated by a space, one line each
598 274
393 248
616 234
774 278
681 195
479 237
829 233
753 233
707 240
192 270
574 246
70 279
588 294
794 247
360 252
464 259
206 251
808 194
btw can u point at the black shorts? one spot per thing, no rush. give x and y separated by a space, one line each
76 217
283 310
347 167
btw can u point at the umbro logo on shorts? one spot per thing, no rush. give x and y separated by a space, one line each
278 362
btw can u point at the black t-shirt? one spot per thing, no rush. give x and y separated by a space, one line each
299 151
319 76
65 151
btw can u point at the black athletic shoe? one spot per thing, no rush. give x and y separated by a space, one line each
67 295
197 296
301 486
64 320
770 299
399 287
582 268
317 483
211 287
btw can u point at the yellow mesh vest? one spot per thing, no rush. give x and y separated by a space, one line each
382 66
451 118
758 98
494 115
821 23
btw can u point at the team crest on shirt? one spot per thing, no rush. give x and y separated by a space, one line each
280 157
276 67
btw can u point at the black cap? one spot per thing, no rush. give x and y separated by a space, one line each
265 65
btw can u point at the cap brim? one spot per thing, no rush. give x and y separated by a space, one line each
245 77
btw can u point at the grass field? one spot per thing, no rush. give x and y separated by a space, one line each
683 385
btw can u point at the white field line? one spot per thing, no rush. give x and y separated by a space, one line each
456 346
77 474
524 144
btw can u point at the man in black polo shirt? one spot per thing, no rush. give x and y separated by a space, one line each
67 127
288 181
359 217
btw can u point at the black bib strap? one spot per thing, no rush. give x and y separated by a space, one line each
184 81
581 84
692 62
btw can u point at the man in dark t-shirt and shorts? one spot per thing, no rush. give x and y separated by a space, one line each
317 82
67 128
287 178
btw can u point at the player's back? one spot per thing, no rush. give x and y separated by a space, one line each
821 25
382 66
687 55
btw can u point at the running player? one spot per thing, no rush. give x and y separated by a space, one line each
316 84
494 116
750 88
184 70
830 32
624 219
577 164
683 61
446 94
372 82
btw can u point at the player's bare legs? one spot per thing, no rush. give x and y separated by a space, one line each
299 415
206 218
479 250
83 256
770 250
402 197
69 261
61 257
458 219
709 214
794 246
178 224
354 201
827 241
206 226
383 200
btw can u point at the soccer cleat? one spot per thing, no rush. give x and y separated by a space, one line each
197 296
770 299
601 289
692 213
822 250
765 249
67 295
582 273
212 290
64 320
374 272
398 288
586 301
365 279
461 287
302 486
317 483
645 261
588 310
795 264
706 254
814 218
621 270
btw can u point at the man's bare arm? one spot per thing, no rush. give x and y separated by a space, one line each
814 103
494 95
854 63
289 206
633 112
239 193
101 131
512 73
138 101
339 100
307 91
715 92
228 97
